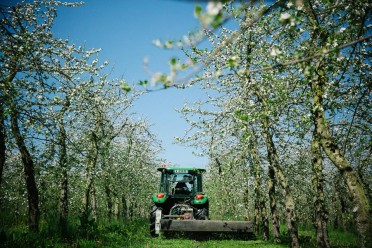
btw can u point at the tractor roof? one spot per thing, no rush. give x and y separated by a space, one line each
181 170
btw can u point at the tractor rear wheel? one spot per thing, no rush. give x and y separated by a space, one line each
153 209
202 214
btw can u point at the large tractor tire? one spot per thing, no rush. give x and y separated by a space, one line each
153 209
202 214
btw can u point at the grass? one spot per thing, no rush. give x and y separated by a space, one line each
342 239
136 234
178 243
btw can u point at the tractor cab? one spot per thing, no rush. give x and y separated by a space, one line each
181 182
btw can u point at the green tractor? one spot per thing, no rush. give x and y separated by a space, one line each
180 205
180 196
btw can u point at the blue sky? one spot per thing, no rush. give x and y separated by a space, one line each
125 29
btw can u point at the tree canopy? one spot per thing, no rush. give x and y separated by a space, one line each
286 124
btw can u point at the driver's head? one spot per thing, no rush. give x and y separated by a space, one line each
187 178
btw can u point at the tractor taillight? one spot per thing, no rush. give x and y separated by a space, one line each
199 197
160 195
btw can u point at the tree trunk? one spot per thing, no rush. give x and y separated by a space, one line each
2 140
5 86
109 201
342 197
94 203
134 210
338 196
360 201
365 178
124 204
256 216
246 204
63 200
92 161
264 220
289 203
344 206
131 210
260 206
321 214
85 210
273 209
28 164
116 207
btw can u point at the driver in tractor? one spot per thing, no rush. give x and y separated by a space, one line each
181 186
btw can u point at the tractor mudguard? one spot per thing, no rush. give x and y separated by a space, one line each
159 198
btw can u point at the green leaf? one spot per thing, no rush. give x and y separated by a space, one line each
232 63
163 78
244 117
168 44
217 21
198 10
6 113
237 112
125 86
173 61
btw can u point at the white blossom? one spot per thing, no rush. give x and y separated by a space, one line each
157 43
284 16
213 8
146 60
275 52
156 77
